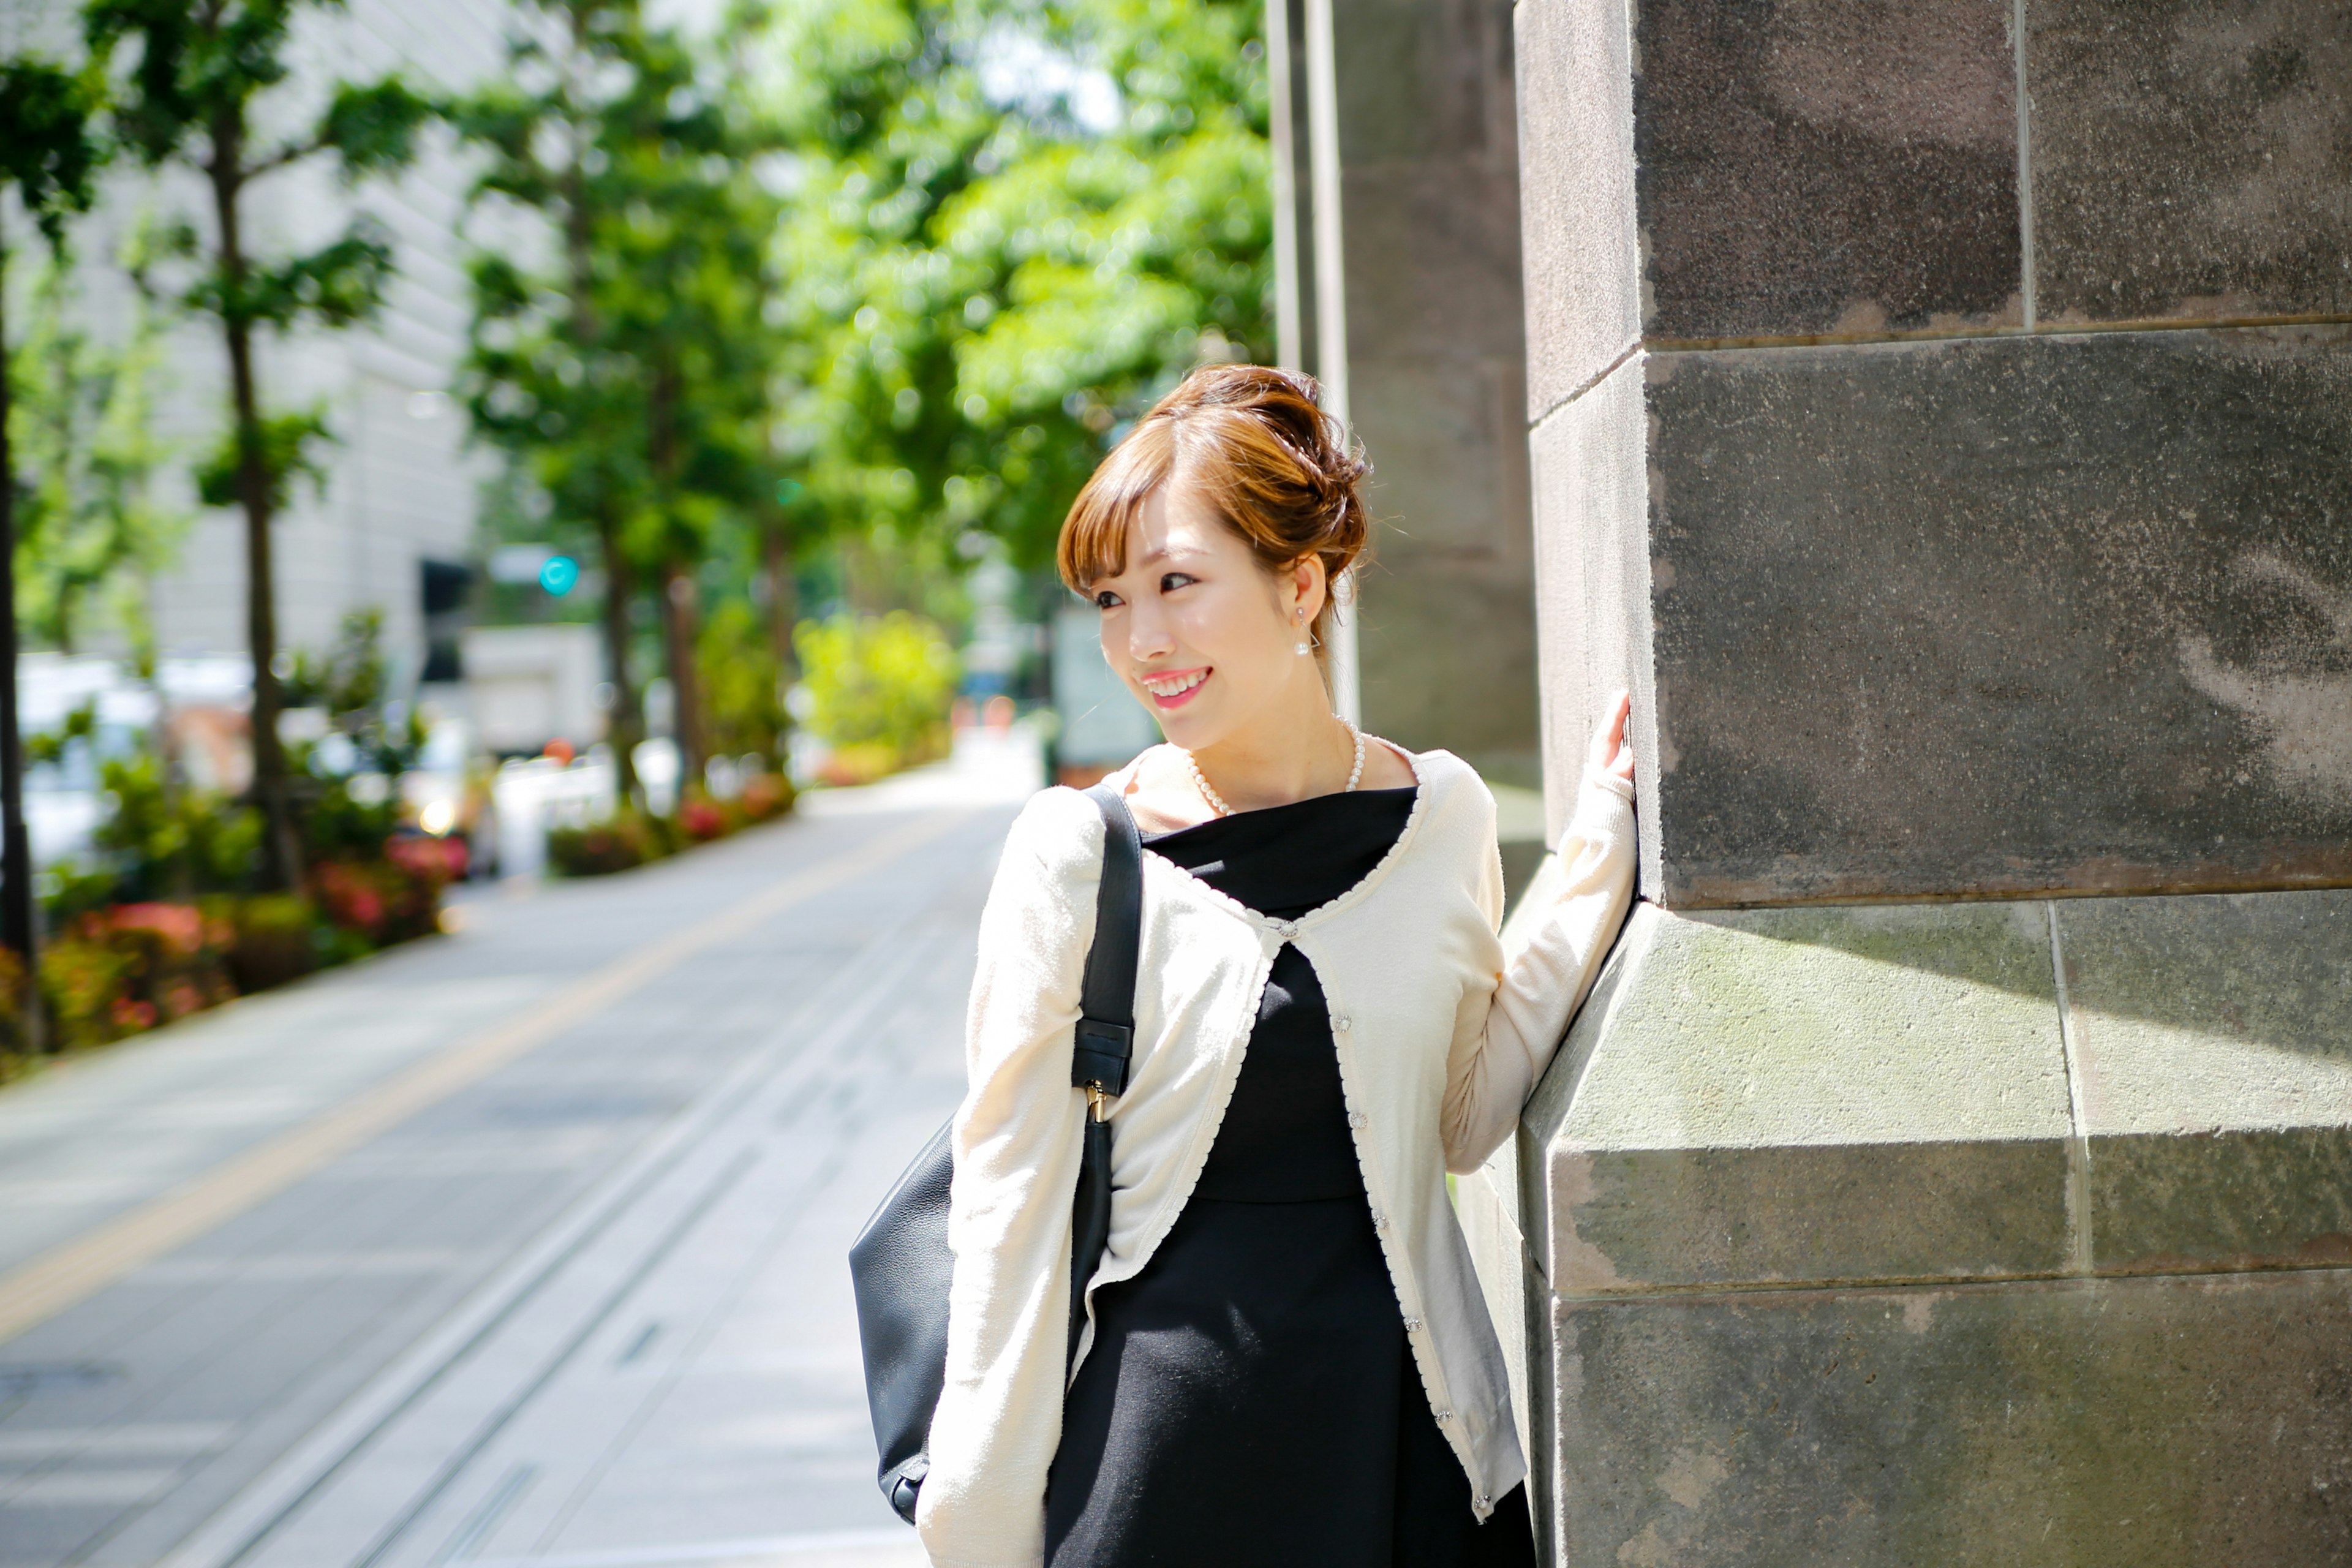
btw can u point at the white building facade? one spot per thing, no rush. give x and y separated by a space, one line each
402 485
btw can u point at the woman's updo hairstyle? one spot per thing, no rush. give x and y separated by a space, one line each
1256 445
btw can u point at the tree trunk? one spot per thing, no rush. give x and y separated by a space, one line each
679 618
784 596
783 610
678 587
625 721
18 929
281 853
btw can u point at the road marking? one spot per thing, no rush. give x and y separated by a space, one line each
72 1273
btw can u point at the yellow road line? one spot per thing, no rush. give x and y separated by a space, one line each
79 1269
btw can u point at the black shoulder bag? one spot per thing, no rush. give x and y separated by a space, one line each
900 1264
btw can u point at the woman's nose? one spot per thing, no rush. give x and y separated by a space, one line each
1148 636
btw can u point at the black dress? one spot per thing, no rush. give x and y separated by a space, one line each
1249 1398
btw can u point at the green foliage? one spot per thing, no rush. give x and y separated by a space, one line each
618 843
629 378
288 444
90 533
187 80
188 97
275 939
739 682
351 806
884 680
48 149
372 126
984 290
128 967
200 67
154 841
163 842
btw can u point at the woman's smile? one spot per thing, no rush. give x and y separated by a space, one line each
1174 687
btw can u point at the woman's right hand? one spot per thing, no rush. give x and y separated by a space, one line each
1611 754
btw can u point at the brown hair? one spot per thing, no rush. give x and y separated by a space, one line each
1256 445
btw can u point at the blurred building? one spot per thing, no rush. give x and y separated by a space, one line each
392 524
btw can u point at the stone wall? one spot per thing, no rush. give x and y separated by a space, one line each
1429 202
1939 418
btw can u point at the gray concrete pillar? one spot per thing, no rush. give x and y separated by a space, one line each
1942 419
1434 369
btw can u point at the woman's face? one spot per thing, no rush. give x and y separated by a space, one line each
1204 636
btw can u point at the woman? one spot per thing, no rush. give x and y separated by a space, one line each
1286 1360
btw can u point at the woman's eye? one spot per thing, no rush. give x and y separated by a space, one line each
1106 600
1173 581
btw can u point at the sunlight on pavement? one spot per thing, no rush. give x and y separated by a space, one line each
987 767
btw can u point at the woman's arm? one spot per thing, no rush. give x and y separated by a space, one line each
1017 1140
1504 1037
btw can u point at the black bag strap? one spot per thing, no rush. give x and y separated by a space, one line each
1106 1035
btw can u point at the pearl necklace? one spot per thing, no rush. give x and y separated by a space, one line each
1217 802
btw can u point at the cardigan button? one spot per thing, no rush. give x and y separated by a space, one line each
1341 1024
1445 1415
1356 1119
1413 1325
1486 1501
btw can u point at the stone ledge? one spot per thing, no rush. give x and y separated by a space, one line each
1772 1099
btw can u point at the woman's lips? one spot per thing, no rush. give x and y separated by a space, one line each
1186 684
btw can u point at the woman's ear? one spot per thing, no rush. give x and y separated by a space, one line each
1307 587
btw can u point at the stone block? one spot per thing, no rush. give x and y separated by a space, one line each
1429 682
2100 1424
2190 159
1434 267
2210 1037
1990 616
1576 193
1804 1095
1824 166
1592 587
1422 80
1804 1202
1449 461
1436 375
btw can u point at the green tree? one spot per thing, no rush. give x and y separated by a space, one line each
632 379
48 154
91 529
188 99
882 680
543 380
988 276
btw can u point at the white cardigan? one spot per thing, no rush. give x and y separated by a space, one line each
1438 1049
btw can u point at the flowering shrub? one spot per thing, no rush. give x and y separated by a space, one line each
702 820
765 796
615 844
120 970
632 839
274 938
373 902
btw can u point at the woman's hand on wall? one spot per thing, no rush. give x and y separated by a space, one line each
1610 752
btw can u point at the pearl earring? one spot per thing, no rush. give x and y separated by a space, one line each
1301 647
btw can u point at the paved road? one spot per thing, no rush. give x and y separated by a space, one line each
522 1245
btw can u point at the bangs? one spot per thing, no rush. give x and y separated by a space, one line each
1093 544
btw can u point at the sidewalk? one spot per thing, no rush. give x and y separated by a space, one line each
582 1300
